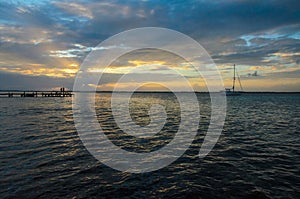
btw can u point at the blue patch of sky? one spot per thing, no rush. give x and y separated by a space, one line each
248 38
29 2
8 22
295 36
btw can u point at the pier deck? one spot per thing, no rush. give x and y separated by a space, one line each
36 94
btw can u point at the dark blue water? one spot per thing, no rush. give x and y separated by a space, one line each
257 155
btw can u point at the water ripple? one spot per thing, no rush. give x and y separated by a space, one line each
257 156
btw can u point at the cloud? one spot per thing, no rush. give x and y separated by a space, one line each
15 81
75 8
79 50
50 37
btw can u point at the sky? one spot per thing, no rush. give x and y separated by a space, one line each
43 43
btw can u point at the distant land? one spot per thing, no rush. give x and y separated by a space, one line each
204 92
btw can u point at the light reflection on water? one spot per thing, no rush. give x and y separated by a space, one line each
257 155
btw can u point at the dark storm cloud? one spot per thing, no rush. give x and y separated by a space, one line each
99 19
200 19
203 20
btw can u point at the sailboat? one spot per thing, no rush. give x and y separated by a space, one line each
231 91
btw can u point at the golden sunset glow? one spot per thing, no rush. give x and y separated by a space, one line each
142 63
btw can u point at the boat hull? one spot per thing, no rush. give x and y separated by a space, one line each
233 94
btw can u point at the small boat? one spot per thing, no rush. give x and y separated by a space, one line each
231 91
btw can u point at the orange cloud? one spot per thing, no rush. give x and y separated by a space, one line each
284 55
257 68
141 62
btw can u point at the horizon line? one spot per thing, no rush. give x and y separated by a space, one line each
107 91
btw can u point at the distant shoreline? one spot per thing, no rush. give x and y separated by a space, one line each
201 92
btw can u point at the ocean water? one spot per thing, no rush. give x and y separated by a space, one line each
257 155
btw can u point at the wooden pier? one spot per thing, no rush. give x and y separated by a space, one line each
61 93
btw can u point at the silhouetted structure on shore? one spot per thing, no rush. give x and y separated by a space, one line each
61 93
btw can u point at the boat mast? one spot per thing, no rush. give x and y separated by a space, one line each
233 83
237 74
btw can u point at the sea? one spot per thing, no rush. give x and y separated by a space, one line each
257 154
